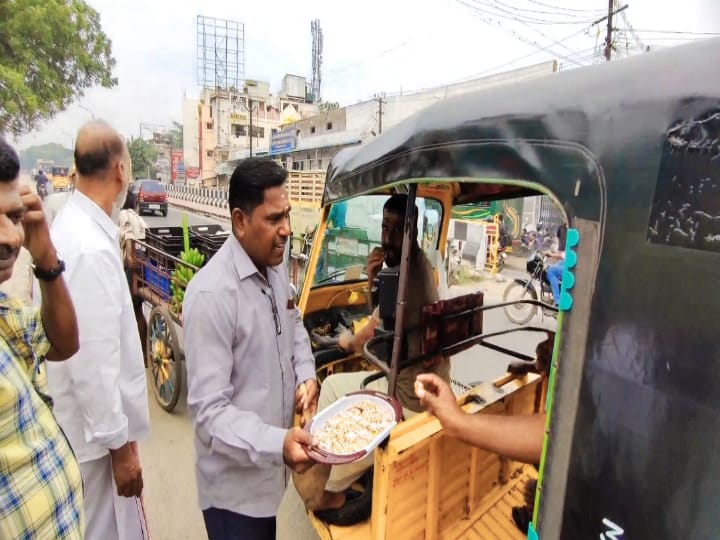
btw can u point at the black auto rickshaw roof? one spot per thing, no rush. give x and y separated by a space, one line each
482 135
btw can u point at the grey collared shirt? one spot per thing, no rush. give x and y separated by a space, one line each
244 358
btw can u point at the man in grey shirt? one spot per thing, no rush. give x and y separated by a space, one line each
249 363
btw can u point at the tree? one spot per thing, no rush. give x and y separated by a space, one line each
143 157
326 106
50 52
52 151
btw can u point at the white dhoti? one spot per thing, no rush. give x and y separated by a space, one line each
108 516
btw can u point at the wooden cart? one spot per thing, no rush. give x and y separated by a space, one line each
153 282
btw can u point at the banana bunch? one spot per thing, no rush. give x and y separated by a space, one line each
182 275
193 256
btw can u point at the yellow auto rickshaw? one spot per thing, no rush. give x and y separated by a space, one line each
629 153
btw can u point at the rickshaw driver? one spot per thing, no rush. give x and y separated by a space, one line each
324 487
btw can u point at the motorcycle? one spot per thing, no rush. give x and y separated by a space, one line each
527 289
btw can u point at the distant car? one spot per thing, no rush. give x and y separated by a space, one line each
148 196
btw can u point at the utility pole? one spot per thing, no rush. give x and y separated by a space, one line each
608 37
380 101
251 133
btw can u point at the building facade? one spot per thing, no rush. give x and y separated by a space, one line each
218 133
317 139
225 125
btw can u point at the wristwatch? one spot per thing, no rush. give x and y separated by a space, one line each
49 275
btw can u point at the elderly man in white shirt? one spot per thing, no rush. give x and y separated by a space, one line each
100 393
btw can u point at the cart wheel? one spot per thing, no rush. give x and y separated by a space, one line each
164 358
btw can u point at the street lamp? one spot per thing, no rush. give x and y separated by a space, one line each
88 110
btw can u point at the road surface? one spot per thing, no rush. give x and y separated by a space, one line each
167 457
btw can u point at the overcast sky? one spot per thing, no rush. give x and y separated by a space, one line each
369 47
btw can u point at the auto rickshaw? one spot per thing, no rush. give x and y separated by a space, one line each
60 178
630 150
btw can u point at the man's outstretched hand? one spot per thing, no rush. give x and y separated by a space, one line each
436 397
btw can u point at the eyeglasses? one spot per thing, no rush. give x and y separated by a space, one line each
276 314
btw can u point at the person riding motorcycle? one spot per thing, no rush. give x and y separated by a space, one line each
41 182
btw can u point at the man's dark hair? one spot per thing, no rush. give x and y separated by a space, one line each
249 181
9 162
397 204
98 159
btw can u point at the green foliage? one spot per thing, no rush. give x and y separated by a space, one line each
63 157
328 106
143 156
50 52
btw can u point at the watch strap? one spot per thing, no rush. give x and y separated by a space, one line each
49 275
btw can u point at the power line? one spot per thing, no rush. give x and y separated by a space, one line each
632 31
490 70
497 11
564 8
343 68
570 14
671 39
515 34
542 34
678 32
583 53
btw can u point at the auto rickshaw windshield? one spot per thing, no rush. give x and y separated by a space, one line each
354 229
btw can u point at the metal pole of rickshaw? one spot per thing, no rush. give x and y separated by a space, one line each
410 222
